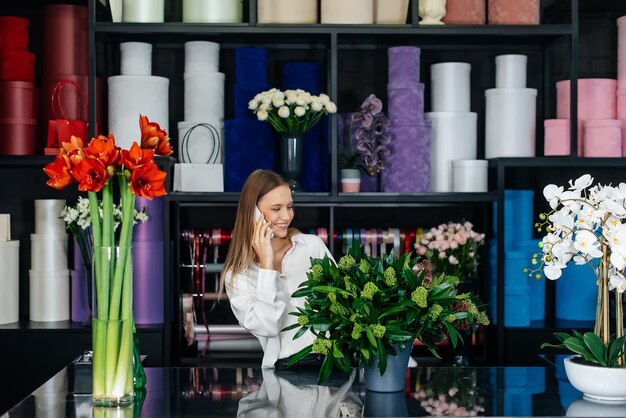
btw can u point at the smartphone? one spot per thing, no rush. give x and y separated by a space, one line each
257 214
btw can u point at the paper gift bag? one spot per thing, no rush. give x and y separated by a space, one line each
61 127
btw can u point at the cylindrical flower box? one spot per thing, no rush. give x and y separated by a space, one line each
510 122
143 11
470 176
48 252
556 140
514 12
201 56
406 102
200 142
450 83
65 40
204 96
17 65
47 219
596 98
49 293
14 33
603 138
131 95
408 165
18 100
287 11
9 281
511 71
390 12
621 52
404 65
18 136
465 12
621 114
212 11
135 58
348 11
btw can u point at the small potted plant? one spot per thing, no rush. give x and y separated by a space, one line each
366 146
367 311
585 226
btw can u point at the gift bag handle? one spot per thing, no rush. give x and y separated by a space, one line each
55 100
215 136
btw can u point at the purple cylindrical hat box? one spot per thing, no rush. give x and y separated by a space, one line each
80 310
404 65
408 165
152 229
148 282
406 102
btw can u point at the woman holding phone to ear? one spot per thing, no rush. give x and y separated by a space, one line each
266 262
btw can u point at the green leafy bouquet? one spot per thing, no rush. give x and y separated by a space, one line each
364 308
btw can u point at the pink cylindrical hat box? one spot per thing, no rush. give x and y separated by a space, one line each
621 114
603 138
557 138
18 99
347 11
514 12
14 33
596 98
18 136
65 40
621 52
465 12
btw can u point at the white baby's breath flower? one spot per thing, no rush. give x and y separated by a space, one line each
284 112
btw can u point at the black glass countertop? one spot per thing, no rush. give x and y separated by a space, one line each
253 392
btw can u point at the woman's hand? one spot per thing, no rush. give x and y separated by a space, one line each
262 245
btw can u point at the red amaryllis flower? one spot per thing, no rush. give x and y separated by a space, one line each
73 149
59 172
91 174
153 137
148 181
103 148
136 157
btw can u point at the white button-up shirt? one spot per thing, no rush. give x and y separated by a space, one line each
261 299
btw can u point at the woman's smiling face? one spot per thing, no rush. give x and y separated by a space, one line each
277 208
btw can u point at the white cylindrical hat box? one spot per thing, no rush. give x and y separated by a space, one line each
132 95
9 281
47 219
287 11
390 12
510 125
453 137
135 58
200 142
470 176
212 11
204 96
48 252
49 295
143 11
348 11
511 71
450 83
201 56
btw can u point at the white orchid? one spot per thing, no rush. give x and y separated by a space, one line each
617 282
551 193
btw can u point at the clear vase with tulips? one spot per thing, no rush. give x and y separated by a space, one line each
95 168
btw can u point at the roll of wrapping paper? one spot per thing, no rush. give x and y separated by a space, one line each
47 219
148 282
49 295
65 38
130 96
48 252
9 281
152 229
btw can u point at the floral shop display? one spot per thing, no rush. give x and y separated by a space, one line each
408 164
364 146
367 311
96 167
291 113
585 226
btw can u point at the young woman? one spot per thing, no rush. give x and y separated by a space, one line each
266 262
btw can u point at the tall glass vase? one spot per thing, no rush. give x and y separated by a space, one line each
112 331
290 150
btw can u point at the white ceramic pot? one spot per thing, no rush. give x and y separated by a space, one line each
350 180
595 382
432 11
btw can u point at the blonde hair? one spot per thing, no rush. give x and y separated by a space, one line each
240 251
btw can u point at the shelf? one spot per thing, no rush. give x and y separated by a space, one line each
64 326
558 162
25 161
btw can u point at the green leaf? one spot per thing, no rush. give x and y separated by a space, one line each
382 359
578 346
561 336
290 327
336 351
596 346
370 337
616 347
326 370
300 332
300 354
392 310
365 353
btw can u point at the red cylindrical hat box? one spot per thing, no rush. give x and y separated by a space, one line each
65 38
14 33
17 65
18 136
18 100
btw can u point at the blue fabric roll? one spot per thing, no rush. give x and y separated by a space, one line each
248 145
307 76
